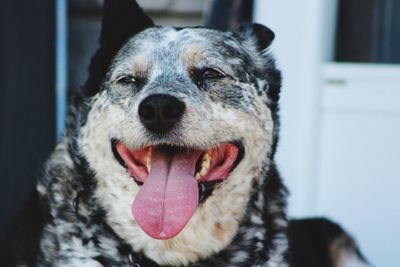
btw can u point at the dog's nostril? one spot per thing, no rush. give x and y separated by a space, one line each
160 112
174 111
147 112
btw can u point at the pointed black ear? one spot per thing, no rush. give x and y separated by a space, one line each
121 20
263 35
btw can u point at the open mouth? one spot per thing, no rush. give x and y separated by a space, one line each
174 181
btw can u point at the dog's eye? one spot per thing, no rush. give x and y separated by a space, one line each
210 73
128 79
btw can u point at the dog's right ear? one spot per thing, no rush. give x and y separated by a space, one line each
121 20
262 34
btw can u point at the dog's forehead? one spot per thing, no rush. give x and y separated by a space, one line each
176 44
177 39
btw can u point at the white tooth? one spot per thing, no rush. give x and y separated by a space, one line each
206 160
205 165
148 159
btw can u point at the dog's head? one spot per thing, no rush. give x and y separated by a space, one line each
178 135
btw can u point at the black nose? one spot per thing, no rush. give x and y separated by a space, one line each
159 113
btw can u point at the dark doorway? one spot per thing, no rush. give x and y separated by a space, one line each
27 117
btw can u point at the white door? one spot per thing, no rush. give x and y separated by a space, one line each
339 150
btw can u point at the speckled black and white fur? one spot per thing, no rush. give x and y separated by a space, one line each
89 193
82 202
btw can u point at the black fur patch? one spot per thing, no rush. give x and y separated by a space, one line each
121 20
312 243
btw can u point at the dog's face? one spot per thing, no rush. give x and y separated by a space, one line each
178 136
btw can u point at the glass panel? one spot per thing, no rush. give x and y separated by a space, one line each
368 31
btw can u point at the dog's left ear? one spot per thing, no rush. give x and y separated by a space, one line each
121 20
262 34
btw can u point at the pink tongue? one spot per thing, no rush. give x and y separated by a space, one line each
169 195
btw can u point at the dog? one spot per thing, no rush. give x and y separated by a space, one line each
170 162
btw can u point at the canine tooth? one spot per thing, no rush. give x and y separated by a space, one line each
205 165
204 169
148 159
206 160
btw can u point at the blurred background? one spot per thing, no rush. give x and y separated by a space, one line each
339 149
